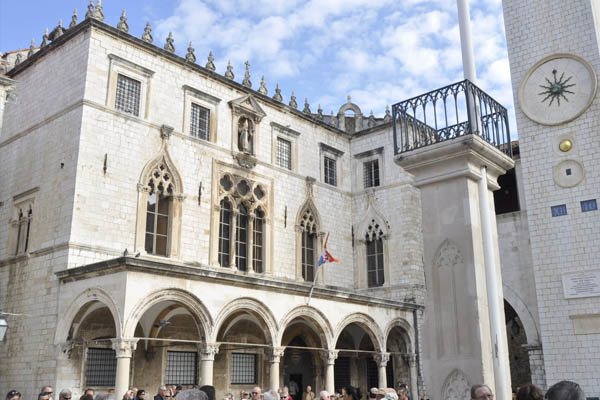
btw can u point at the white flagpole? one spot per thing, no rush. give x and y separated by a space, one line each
313 283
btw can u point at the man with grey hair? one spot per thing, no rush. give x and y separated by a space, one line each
481 392
324 395
65 394
565 390
163 392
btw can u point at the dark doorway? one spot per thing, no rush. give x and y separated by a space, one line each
297 378
520 371
298 367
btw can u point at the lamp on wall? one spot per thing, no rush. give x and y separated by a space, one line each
3 327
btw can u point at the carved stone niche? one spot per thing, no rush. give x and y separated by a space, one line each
246 117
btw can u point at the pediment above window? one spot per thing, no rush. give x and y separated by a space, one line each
248 106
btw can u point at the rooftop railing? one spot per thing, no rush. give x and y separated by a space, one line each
450 112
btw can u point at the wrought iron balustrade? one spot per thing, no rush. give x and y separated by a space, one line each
452 111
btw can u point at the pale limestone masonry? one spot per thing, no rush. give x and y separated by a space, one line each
86 282
566 244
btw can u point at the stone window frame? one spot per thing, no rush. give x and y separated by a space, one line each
195 96
365 157
284 132
258 371
251 201
121 66
22 202
334 154
372 217
319 235
247 108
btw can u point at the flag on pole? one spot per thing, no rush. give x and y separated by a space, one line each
326 256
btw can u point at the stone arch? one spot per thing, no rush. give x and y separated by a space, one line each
317 318
309 206
456 386
373 217
365 322
349 106
162 159
85 297
246 303
408 332
199 312
529 323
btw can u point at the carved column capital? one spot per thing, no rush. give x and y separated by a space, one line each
411 359
124 348
275 354
209 351
382 359
330 356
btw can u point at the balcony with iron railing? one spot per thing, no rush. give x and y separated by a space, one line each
448 113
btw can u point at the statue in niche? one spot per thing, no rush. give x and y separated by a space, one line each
245 136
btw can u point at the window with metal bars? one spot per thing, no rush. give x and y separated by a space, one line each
243 369
308 255
128 95
241 240
225 233
101 367
157 223
372 373
330 171
182 368
23 229
257 253
284 153
199 121
341 372
371 173
375 262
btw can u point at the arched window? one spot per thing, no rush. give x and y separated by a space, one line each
225 233
308 228
375 262
158 212
241 239
258 237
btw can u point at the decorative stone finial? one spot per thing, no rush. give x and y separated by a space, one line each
45 38
349 99
210 65
31 48
263 86
98 14
73 19
371 121
90 10
169 46
122 25
57 32
190 54
388 116
332 119
306 106
229 73
277 95
320 113
246 82
18 59
147 36
293 102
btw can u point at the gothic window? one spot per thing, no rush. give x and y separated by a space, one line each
224 233
284 153
199 121
371 173
241 240
308 229
158 212
128 95
330 173
258 236
23 229
375 263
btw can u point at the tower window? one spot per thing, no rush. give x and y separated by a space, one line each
371 173
506 199
330 171
284 153
128 95
199 121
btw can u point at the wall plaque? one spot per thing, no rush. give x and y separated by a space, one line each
584 284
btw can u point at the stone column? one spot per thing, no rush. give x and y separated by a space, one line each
382 359
414 384
329 357
274 357
207 355
123 350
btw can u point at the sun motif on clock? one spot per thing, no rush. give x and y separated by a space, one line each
556 89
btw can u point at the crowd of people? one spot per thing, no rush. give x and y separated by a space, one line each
564 390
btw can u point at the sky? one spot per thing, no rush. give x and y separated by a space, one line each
379 52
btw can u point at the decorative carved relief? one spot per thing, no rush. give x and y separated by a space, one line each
456 386
448 255
241 190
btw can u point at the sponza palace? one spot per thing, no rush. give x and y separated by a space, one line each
161 223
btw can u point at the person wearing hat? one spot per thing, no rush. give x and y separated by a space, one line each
141 394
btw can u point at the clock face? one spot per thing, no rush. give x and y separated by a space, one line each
558 89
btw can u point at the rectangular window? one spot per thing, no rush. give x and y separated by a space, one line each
342 372
157 224
589 205
101 367
371 173
308 256
257 253
241 240
558 211
224 233
330 171
199 125
243 369
128 95
182 368
375 262
284 153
